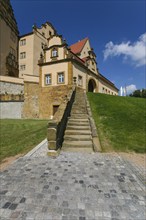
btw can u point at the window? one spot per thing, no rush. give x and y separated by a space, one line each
50 33
22 55
80 80
43 34
48 79
22 67
22 42
54 52
61 77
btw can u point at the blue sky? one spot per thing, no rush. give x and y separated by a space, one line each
116 29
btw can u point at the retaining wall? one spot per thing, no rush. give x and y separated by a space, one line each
11 109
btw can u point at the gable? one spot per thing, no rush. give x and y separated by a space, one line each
85 49
77 47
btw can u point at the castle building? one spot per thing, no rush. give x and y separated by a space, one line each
8 40
48 69
61 67
30 47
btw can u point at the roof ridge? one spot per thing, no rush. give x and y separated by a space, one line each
86 38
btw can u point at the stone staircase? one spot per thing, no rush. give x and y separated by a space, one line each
78 131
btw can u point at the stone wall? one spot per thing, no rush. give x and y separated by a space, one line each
11 109
11 88
11 97
52 96
31 100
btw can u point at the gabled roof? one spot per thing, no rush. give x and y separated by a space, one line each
77 47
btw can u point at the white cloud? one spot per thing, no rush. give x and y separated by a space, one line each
136 51
131 88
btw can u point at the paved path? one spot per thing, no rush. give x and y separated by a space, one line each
74 186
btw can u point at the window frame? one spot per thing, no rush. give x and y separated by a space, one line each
45 79
22 42
54 49
22 65
22 55
63 73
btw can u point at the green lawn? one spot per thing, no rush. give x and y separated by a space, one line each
120 122
20 136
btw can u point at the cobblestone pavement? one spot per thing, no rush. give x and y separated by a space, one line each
74 186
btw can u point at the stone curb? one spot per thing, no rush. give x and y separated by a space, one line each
96 142
30 153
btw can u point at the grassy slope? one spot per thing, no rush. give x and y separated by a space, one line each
120 122
20 136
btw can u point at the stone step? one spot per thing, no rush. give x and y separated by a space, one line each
79 102
78 132
77 149
77 137
83 116
76 123
78 120
78 144
78 127
78 108
78 112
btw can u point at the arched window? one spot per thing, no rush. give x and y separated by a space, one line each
54 52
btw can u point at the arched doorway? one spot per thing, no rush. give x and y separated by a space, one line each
91 85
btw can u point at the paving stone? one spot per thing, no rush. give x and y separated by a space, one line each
73 186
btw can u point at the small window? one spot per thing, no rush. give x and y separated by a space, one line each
22 67
50 33
22 42
80 80
61 77
48 79
43 34
22 55
54 52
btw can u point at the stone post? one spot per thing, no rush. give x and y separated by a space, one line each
51 135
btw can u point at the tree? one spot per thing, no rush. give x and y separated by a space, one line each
143 93
139 93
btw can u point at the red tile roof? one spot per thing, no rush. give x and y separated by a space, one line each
77 58
77 47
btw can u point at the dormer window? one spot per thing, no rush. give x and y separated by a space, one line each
54 52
